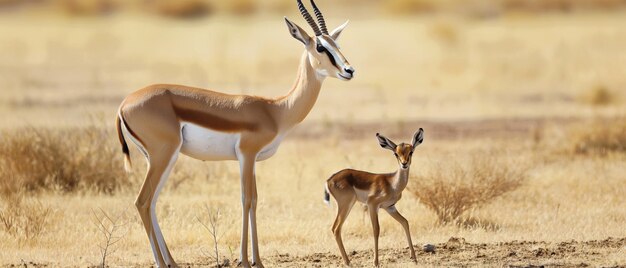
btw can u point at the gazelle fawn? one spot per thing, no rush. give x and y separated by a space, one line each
375 190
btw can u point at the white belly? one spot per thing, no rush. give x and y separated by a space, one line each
206 144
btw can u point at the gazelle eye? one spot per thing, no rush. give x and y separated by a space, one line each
320 48
396 154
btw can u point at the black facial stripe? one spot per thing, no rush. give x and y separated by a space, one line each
332 59
321 48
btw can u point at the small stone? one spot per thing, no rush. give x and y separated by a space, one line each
430 248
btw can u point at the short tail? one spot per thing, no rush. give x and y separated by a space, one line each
120 134
326 195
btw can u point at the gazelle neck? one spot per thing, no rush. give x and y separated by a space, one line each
297 104
401 179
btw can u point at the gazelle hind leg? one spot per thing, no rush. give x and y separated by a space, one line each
165 251
344 205
159 167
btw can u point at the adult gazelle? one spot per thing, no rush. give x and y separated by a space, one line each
165 120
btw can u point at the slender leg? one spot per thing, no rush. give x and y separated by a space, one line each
246 163
405 224
159 166
373 209
343 210
256 259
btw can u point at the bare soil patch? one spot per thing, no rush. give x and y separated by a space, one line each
458 252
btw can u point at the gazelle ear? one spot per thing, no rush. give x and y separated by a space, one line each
385 143
418 137
337 31
298 33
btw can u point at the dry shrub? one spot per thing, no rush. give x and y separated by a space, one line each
458 187
65 160
185 9
21 218
599 137
598 95
109 228
407 7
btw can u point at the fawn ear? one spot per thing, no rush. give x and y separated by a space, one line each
418 138
385 143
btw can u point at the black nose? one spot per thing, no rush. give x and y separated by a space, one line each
349 70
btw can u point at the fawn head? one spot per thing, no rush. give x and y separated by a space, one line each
402 151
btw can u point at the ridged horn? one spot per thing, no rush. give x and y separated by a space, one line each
309 18
320 18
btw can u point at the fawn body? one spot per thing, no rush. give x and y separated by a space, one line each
374 190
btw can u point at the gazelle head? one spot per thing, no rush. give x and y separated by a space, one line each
402 151
324 54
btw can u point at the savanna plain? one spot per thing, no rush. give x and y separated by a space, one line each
523 162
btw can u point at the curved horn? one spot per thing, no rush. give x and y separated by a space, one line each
308 18
320 18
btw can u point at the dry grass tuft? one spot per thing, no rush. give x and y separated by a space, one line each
453 190
599 137
598 95
21 218
63 160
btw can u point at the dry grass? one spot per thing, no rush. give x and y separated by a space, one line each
602 136
21 217
456 188
64 160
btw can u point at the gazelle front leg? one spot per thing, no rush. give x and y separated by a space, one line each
256 259
405 224
246 164
373 209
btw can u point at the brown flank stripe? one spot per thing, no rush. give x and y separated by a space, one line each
211 121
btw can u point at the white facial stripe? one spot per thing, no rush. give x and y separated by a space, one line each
338 58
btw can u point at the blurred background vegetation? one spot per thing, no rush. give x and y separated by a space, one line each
185 9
